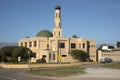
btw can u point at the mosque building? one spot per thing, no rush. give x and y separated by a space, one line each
54 47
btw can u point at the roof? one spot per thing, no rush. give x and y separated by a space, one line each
58 7
44 33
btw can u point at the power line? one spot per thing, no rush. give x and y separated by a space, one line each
109 41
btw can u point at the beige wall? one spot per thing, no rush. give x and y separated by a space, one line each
19 66
49 47
114 55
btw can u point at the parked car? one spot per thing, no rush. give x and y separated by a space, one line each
105 60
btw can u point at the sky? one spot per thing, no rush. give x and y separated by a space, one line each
91 19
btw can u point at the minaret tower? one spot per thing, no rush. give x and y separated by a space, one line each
57 30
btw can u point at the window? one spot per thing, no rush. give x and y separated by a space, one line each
64 55
35 43
30 44
47 46
21 44
34 55
53 56
83 45
73 45
44 56
49 56
61 45
92 46
59 33
25 44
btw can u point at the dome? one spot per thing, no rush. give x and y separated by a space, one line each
58 7
44 33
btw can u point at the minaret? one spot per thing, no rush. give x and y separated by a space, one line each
57 30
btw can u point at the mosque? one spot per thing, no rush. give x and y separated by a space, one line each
54 47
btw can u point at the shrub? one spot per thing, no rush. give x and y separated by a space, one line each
41 60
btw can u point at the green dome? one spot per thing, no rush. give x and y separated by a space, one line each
44 33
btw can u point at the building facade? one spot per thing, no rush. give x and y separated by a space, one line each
54 47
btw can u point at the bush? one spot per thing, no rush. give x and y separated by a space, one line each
41 60
80 55
89 60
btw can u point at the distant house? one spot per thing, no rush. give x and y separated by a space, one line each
105 47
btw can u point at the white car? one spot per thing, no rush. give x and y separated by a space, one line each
105 60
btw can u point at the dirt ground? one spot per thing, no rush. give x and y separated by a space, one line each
95 74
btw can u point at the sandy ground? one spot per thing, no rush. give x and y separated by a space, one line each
95 74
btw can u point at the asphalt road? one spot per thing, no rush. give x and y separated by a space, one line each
16 74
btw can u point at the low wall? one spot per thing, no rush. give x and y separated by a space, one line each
5 65
114 55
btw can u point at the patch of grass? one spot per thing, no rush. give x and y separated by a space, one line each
57 72
112 65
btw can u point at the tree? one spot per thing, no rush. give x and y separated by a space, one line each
79 55
7 52
23 53
11 53
16 54
74 36
118 44
3 56
110 47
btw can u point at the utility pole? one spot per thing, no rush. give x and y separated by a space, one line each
29 61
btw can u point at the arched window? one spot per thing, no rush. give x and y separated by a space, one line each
25 44
30 44
21 44
59 33
47 46
35 43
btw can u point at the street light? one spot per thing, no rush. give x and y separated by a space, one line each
29 61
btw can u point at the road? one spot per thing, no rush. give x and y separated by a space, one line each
16 74
95 72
